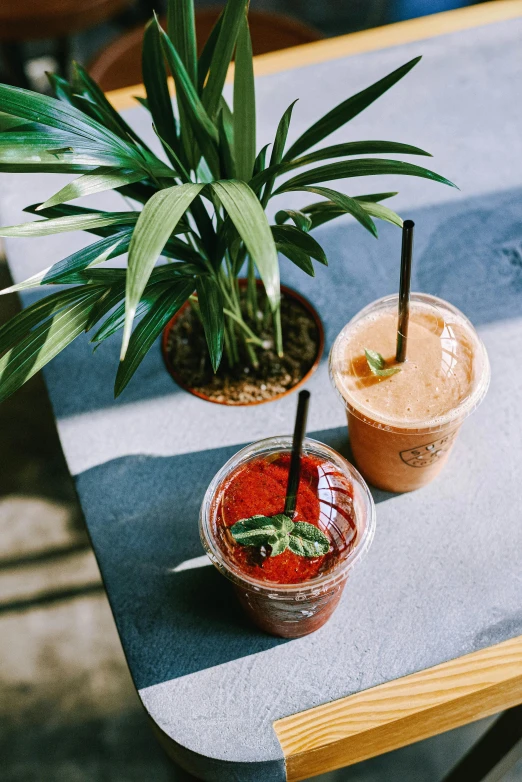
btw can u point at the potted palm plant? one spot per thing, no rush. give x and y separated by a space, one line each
197 207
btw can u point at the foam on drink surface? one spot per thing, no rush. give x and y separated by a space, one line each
437 376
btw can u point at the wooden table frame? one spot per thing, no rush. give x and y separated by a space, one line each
477 685
402 711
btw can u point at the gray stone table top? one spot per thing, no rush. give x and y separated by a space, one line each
443 577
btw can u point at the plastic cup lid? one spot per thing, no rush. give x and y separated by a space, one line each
444 378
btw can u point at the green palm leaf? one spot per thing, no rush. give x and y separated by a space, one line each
300 219
233 15
63 117
210 301
7 122
116 320
159 102
250 221
181 28
53 151
61 88
155 224
346 111
244 105
38 347
112 296
149 327
207 54
323 211
97 181
86 87
289 234
65 210
182 251
226 150
74 222
375 197
98 252
19 326
160 281
355 148
89 98
382 213
344 202
48 111
105 277
361 167
275 157
190 103
297 256
260 162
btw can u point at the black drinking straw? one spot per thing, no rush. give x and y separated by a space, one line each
404 289
297 446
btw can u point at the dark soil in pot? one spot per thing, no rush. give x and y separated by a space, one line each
186 356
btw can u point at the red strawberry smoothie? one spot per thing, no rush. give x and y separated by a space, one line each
288 594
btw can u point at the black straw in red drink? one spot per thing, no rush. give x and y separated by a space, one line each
297 447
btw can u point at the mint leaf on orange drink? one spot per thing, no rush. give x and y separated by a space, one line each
377 364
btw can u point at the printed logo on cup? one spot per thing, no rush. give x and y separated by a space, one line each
425 455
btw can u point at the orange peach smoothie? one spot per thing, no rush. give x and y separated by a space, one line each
403 426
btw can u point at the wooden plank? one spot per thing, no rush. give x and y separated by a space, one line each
356 43
402 711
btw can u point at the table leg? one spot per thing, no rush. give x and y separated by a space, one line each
494 754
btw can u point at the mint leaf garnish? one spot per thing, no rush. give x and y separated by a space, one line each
260 530
306 540
377 364
280 532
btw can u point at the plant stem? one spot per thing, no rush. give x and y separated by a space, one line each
228 348
235 326
233 342
251 290
251 337
267 314
278 332
251 354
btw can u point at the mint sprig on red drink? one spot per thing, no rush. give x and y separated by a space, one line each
281 533
377 364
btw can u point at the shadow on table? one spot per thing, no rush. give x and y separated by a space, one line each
142 514
468 251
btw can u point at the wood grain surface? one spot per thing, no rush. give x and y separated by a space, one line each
356 43
402 711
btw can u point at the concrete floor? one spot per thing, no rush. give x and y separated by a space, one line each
68 709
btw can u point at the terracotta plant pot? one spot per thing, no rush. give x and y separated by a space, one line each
174 372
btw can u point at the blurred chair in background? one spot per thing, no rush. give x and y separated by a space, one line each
119 64
22 21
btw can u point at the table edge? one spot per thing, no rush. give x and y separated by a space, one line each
376 38
402 711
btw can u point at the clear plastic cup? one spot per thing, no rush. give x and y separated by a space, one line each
292 610
399 451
